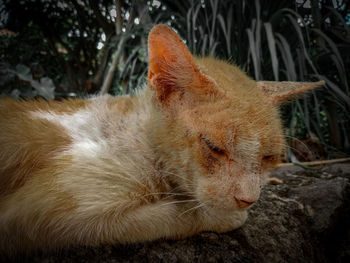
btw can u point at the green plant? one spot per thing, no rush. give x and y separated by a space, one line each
281 41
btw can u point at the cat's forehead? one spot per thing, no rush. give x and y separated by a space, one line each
225 74
230 120
243 101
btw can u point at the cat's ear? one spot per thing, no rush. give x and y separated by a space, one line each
282 92
172 69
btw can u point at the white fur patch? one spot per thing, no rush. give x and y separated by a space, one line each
84 129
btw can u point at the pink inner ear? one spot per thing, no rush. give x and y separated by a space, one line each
172 70
169 58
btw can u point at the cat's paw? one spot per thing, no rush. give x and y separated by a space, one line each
224 222
235 220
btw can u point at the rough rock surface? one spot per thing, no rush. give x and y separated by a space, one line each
305 219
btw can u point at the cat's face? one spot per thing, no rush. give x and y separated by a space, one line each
240 138
236 140
230 126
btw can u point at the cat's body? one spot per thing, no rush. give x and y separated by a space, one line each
187 155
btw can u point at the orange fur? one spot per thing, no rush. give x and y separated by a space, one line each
189 154
27 143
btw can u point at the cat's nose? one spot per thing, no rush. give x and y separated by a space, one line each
243 203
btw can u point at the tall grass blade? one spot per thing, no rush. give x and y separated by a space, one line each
337 90
272 47
253 53
287 57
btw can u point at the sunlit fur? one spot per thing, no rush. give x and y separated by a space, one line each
141 167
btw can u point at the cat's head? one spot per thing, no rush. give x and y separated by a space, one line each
227 123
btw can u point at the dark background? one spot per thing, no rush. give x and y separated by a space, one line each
62 49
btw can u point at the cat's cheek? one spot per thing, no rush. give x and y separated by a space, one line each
216 193
202 193
210 163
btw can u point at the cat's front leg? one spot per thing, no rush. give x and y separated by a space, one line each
161 219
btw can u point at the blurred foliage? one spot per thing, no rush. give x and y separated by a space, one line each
74 43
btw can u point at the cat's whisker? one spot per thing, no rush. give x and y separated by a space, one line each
304 144
129 179
167 173
184 191
292 148
166 193
192 209
169 194
179 202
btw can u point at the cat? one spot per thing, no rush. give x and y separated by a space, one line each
190 152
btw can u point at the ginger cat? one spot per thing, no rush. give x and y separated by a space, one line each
189 153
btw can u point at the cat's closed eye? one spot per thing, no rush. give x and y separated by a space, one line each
212 146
